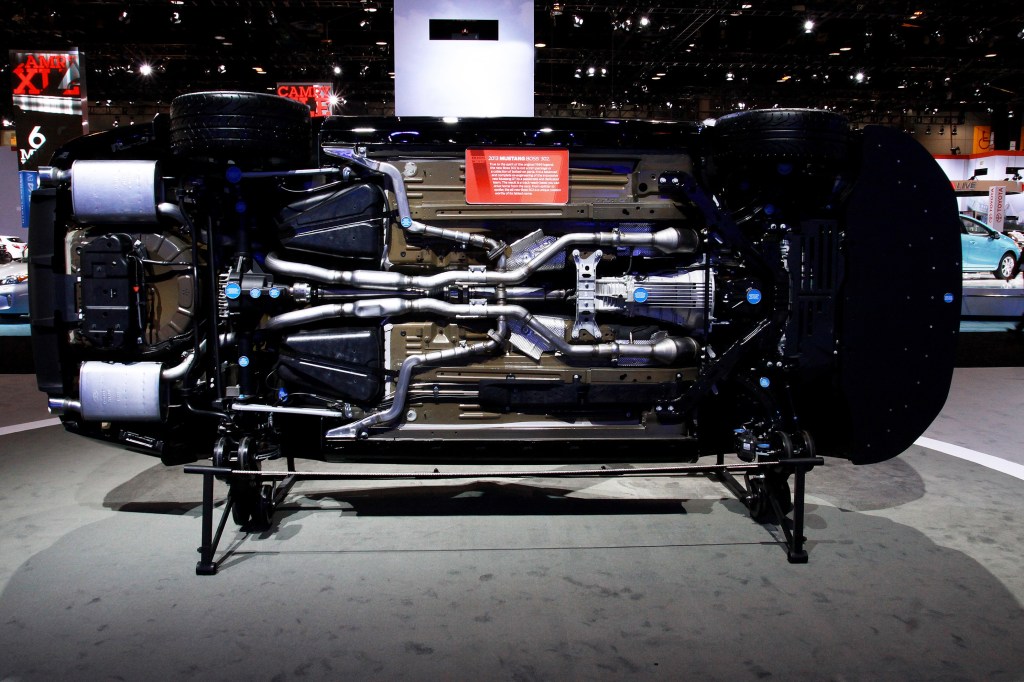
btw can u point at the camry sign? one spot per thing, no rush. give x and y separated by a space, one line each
317 96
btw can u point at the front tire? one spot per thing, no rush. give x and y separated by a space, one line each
1007 268
788 156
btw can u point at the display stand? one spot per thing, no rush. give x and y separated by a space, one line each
273 486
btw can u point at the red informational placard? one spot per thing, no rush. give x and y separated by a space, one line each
517 176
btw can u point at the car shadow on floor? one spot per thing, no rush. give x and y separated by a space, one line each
877 595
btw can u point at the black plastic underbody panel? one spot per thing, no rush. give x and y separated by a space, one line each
897 324
344 363
46 291
347 223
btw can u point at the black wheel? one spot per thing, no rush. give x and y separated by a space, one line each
778 487
254 130
252 507
263 512
760 490
1007 268
247 460
764 160
758 504
244 502
5 257
782 444
808 448
221 456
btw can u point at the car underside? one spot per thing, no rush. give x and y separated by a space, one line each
239 282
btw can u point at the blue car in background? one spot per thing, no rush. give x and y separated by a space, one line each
985 250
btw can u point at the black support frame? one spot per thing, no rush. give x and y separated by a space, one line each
720 471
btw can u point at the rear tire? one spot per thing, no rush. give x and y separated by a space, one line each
253 130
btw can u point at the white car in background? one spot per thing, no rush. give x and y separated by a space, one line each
13 290
16 246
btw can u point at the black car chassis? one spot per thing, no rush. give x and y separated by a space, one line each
794 305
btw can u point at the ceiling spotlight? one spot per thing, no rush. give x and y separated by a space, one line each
175 17
222 69
145 69
645 21
271 18
337 70
577 21
591 71
365 24
370 6
809 26
730 76
124 17
859 77
556 9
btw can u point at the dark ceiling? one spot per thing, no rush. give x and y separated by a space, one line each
681 60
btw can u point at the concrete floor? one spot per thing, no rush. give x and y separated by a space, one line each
915 570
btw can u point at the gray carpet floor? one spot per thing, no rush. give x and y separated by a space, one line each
915 573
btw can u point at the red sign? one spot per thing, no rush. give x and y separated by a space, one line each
517 176
48 73
317 96
48 93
